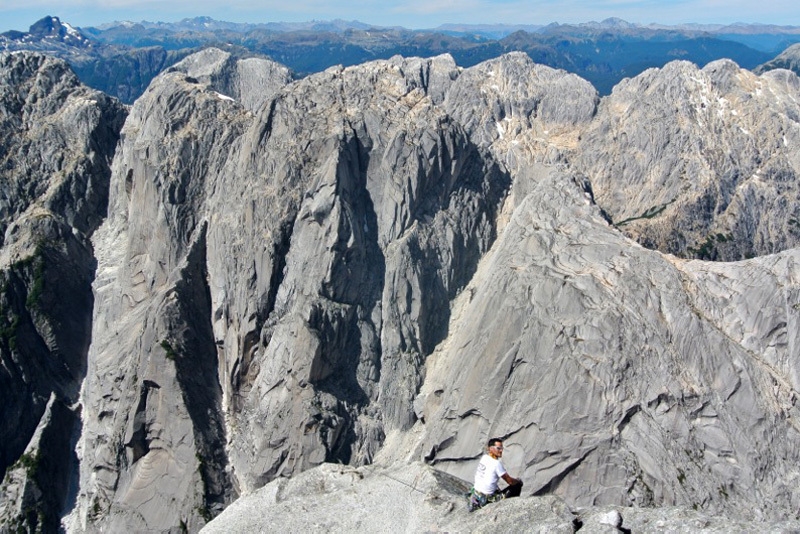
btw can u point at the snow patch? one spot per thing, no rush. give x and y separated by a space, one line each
72 31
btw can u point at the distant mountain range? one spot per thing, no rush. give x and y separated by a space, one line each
121 58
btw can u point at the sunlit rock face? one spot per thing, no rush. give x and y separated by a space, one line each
702 163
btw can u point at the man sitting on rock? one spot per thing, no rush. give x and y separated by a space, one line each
490 471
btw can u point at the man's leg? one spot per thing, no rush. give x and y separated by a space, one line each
475 500
513 491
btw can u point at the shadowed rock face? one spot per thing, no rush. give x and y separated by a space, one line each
398 260
57 139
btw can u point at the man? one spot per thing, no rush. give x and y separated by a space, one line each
490 470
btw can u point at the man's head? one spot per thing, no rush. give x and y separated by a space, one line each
495 447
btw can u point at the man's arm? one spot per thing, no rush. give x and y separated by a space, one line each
511 481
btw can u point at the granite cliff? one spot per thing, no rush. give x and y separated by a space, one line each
702 163
388 263
57 140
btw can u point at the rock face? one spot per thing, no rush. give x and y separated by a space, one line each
606 398
371 208
416 498
250 81
57 139
394 262
700 162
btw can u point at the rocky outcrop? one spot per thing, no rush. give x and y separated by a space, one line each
251 81
526 114
416 498
57 139
395 261
565 316
699 162
536 333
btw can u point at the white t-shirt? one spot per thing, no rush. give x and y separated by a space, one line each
488 473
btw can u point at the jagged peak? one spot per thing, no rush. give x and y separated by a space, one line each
51 29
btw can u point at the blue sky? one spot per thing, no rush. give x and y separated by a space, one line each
416 14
